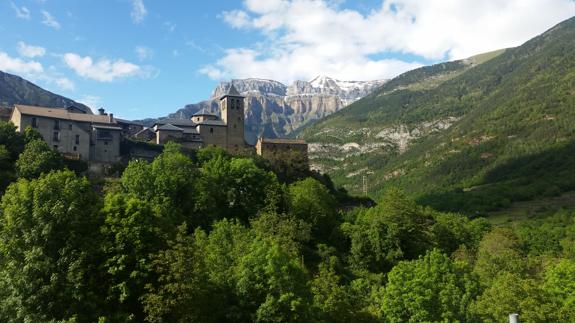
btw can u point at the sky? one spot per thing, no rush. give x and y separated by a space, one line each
148 58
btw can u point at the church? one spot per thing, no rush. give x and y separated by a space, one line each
204 128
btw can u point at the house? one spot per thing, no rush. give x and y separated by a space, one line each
207 129
73 132
287 150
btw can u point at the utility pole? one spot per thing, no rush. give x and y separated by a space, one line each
364 185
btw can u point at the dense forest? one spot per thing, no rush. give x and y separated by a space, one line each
217 238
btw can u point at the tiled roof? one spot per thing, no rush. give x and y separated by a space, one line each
61 114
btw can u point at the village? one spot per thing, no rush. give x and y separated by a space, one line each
97 139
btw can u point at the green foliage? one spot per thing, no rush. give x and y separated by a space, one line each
511 293
429 289
233 188
559 283
38 158
310 201
499 251
183 293
272 286
48 245
11 145
394 230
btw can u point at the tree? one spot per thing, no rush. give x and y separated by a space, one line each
234 188
429 289
271 286
330 297
168 183
48 247
396 229
499 251
13 141
38 158
511 293
559 283
132 234
183 292
310 201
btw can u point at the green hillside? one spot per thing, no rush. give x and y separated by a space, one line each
471 135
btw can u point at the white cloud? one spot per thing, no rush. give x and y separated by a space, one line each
236 18
105 70
139 11
304 38
49 20
30 51
34 71
21 12
19 66
91 101
144 53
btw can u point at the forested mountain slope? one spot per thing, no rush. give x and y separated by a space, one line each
459 138
16 90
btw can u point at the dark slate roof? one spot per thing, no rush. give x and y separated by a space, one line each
203 112
107 127
232 92
212 123
176 122
170 127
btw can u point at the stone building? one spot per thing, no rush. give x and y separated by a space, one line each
293 151
74 133
206 129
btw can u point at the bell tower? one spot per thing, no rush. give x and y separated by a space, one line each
232 112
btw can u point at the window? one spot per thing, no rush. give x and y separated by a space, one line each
77 140
56 124
239 118
235 126
233 104
75 148
55 147
34 123
70 126
56 136
212 131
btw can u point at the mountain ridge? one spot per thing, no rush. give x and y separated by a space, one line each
16 90
463 124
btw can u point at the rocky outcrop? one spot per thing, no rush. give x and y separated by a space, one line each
276 110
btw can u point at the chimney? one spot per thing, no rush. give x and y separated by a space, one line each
101 111
111 118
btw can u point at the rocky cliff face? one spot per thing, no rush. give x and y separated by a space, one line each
275 110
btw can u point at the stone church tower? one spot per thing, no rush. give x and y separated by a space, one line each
232 112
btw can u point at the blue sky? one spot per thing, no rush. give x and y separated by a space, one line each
147 58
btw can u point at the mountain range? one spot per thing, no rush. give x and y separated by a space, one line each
274 109
470 135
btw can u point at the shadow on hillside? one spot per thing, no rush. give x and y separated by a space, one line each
545 174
